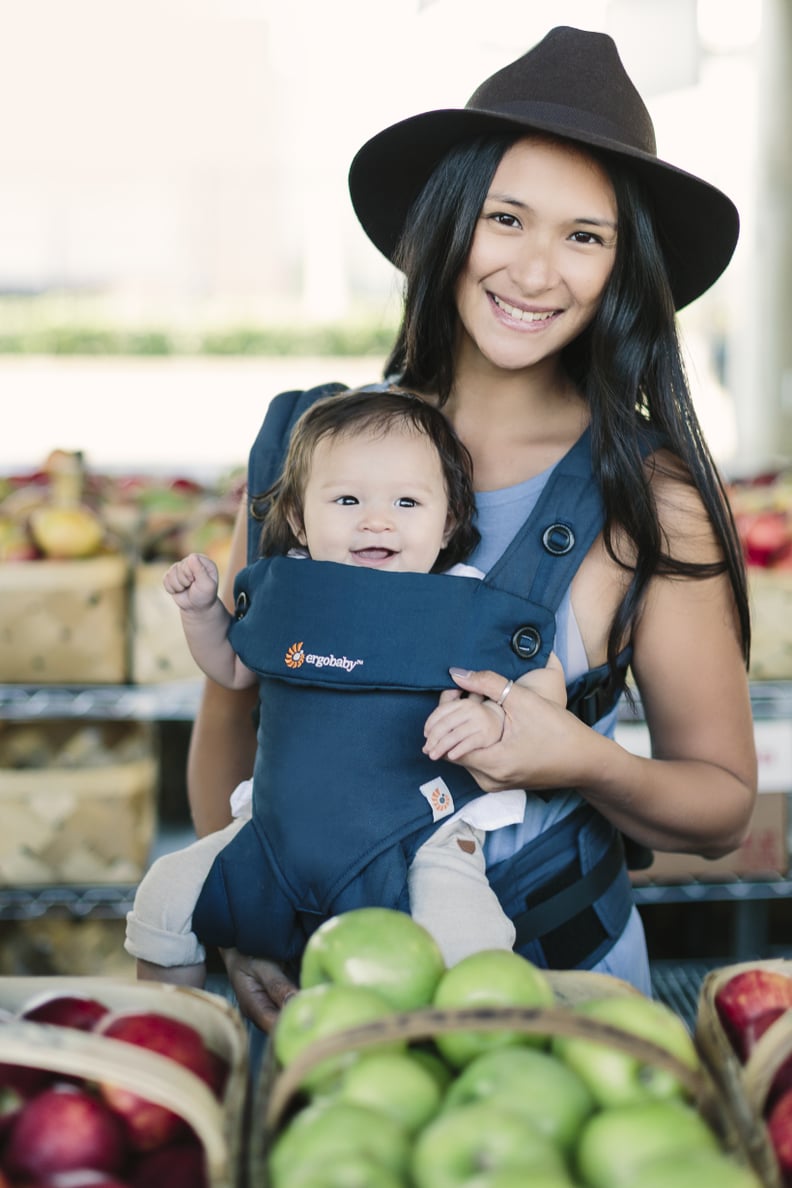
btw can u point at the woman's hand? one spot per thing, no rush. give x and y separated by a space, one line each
533 749
260 986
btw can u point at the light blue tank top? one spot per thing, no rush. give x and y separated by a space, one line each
499 515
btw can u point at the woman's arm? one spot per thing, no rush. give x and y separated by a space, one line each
696 793
223 741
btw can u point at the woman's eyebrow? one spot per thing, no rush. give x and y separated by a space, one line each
510 200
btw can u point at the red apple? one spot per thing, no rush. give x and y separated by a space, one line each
747 996
148 1124
779 1126
65 1010
64 1128
179 1165
82 1177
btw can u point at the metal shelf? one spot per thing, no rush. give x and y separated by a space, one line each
174 701
178 701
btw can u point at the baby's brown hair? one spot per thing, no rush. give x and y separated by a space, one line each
375 413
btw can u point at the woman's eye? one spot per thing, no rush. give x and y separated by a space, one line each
504 219
586 237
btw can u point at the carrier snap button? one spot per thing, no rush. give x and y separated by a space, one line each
241 605
558 539
526 642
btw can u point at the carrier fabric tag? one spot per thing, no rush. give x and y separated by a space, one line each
439 798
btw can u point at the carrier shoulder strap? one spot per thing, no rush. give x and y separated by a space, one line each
269 449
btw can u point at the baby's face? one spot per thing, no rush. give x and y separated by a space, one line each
376 501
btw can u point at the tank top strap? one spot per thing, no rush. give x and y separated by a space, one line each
546 551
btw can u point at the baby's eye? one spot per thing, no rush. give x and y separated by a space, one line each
406 501
346 500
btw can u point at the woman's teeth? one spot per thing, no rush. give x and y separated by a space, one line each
522 315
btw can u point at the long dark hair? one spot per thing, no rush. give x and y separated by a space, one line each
362 412
627 364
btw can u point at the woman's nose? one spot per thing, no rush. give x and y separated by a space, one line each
534 267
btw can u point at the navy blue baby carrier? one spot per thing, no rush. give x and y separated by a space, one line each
342 794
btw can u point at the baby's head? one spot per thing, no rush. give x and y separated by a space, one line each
377 479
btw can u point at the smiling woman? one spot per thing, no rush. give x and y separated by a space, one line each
545 248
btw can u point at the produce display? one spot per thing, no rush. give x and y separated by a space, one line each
64 511
762 509
745 1025
82 557
95 1093
388 1070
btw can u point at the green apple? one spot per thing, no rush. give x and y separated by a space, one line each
697 1169
379 948
481 1138
615 1143
347 1171
615 1077
321 1011
538 1086
434 1062
514 1177
490 978
397 1084
337 1131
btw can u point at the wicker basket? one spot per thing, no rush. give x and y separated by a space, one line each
771 613
82 824
218 1124
64 622
158 649
745 1086
278 1093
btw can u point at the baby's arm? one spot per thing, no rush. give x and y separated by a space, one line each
463 724
192 583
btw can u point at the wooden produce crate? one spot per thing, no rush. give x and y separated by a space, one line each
771 616
219 1124
77 802
278 1096
64 622
746 1086
158 649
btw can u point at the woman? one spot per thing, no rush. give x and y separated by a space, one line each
545 249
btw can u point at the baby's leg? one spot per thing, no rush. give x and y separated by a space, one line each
159 927
451 896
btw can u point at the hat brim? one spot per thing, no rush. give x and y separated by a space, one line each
697 223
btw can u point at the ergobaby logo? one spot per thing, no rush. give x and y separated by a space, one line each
296 656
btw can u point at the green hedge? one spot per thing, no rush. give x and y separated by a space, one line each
68 339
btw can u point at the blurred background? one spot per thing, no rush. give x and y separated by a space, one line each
177 245
176 239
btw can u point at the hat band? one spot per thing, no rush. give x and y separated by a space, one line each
579 123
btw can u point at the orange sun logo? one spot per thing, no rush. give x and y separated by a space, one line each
295 656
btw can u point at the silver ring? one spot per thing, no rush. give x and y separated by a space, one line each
507 690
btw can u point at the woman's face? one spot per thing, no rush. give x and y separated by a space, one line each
542 251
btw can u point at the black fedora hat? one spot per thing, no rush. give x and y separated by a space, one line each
572 84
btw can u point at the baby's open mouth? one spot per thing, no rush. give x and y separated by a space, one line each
374 554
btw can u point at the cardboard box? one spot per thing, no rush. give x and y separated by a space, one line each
765 851
158 649
77 802
64 622
219 1124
